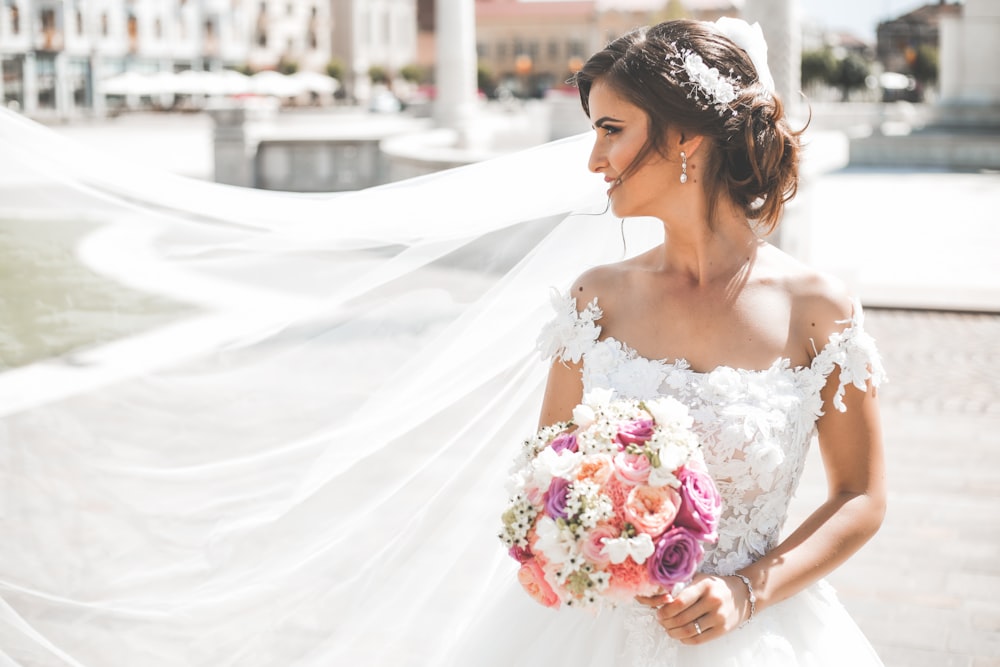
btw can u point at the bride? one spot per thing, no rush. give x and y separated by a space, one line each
308 469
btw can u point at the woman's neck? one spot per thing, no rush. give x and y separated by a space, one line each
701 251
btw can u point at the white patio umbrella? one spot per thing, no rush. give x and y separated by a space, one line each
129 83
316 82
276 84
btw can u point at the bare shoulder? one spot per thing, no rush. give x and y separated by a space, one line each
820 302
821 306
602 283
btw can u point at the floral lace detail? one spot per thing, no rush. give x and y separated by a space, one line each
755 425
571 332
647 644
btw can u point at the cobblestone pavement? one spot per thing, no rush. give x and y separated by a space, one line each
926 589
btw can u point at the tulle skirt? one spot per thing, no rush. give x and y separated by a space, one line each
811 629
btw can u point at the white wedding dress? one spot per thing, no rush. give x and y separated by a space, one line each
755 427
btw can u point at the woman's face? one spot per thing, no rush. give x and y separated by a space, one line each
622 130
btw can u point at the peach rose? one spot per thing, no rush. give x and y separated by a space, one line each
652 509
532 579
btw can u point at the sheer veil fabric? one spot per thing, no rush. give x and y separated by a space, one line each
307 466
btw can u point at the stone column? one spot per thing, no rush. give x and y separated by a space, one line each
29 87
783 31
970 51
456 63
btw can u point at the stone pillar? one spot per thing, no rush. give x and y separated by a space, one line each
29 87
782 28
456 63
970 51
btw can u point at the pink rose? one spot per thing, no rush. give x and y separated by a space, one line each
652 509
635 432
532 579
593 545
701 505
631 468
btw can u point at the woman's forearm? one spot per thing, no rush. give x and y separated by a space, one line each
828 537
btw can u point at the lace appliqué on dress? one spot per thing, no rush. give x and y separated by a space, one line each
855 352
571 332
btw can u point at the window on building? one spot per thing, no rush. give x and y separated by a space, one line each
518 47
158 28
501 50
290 9
481 50
15 20
553 49
78 21
104 24
574 48
132 28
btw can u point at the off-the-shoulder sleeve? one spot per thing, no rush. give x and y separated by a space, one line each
571 332
854 351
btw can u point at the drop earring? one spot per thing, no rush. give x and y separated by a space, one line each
684 167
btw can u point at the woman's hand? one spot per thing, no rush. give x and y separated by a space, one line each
706 609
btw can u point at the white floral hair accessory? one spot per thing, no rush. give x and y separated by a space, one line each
708 86
750 38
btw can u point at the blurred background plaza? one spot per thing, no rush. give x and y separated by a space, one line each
900 198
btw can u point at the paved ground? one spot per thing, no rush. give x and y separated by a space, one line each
926 590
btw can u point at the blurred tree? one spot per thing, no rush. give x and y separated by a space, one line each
672 9
335 68
378 74
818 67
925 64
485 80
413 73
852 73
287 66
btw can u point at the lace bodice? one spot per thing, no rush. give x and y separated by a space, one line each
755 426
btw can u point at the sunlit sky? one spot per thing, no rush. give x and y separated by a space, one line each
859 17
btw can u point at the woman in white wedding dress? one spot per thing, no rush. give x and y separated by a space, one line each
764 351
308 470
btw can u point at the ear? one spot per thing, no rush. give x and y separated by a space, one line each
688 142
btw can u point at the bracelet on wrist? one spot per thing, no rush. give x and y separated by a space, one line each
750 596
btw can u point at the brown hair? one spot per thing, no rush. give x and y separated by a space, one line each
753 154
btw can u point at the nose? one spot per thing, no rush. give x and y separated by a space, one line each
598 160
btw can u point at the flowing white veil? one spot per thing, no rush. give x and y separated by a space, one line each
305 465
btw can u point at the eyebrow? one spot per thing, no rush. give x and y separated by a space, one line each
604 119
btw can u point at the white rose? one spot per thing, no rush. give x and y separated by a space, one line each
583 416
557 546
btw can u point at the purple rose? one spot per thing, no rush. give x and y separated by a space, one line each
555 498
565 441
701 504
676 557
635 432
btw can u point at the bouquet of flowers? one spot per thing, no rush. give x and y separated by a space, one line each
613 504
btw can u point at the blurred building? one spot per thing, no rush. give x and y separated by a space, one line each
529 47
900 40
373 34
55 53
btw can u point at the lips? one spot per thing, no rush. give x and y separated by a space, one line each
614 182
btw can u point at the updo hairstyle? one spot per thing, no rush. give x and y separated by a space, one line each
752 155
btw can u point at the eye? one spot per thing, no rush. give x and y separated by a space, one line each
609 130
